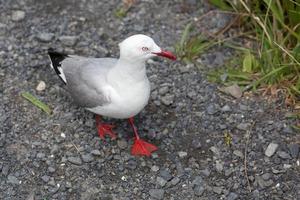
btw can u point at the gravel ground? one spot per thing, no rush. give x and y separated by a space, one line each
61 157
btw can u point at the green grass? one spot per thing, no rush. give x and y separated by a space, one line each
274 61
36 102
192 45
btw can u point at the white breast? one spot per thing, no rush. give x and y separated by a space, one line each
127 100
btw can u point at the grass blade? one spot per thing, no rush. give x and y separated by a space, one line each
36 102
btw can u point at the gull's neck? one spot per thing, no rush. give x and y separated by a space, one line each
130 71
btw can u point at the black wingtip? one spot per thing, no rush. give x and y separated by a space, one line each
56 59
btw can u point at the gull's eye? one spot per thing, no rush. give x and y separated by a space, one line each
145 48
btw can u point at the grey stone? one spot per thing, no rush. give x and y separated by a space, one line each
244 108
175 181
196 143
198 180
68 40
244 126
198 190
211 109
215 150
217 190
266 176
294 150
40 155
226 108
12 179
228 172
31 196
232 196
271 149
18 15
75 160
131 164
157 193
256 194
45 178
283 155
87 158
288 130
163 90
182 154
222 126
262 183
51 169
168 99
238 153
45 37
219 166
234 90
122 144
96 152
154 168
160 181
165 174
68 184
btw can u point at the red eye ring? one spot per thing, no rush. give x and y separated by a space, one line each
145 48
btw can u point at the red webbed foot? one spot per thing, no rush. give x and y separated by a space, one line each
140 147
104 129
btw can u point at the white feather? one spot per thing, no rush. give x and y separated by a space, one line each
62 75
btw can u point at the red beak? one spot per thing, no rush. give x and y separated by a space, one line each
166 54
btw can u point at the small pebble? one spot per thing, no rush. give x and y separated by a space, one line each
294 150
18 15
226 108
168 99
283 155
232 196
157 193
46 178
75 160
160 181
175 181
271 149
198 190
45 37
41 86
87 158
238 153
68 40
12 179
234 91
51 169
165 175
182 154
243 126
96 152
217 190
154 168
122 144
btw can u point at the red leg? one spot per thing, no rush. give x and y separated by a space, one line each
140 147
104 129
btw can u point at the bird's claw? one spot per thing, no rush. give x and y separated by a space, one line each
106 129
140 147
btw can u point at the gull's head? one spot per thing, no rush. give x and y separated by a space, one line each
140 48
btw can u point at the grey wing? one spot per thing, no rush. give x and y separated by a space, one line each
85 79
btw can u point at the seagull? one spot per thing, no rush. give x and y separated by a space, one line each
111 87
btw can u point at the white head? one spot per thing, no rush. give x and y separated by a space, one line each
140 48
